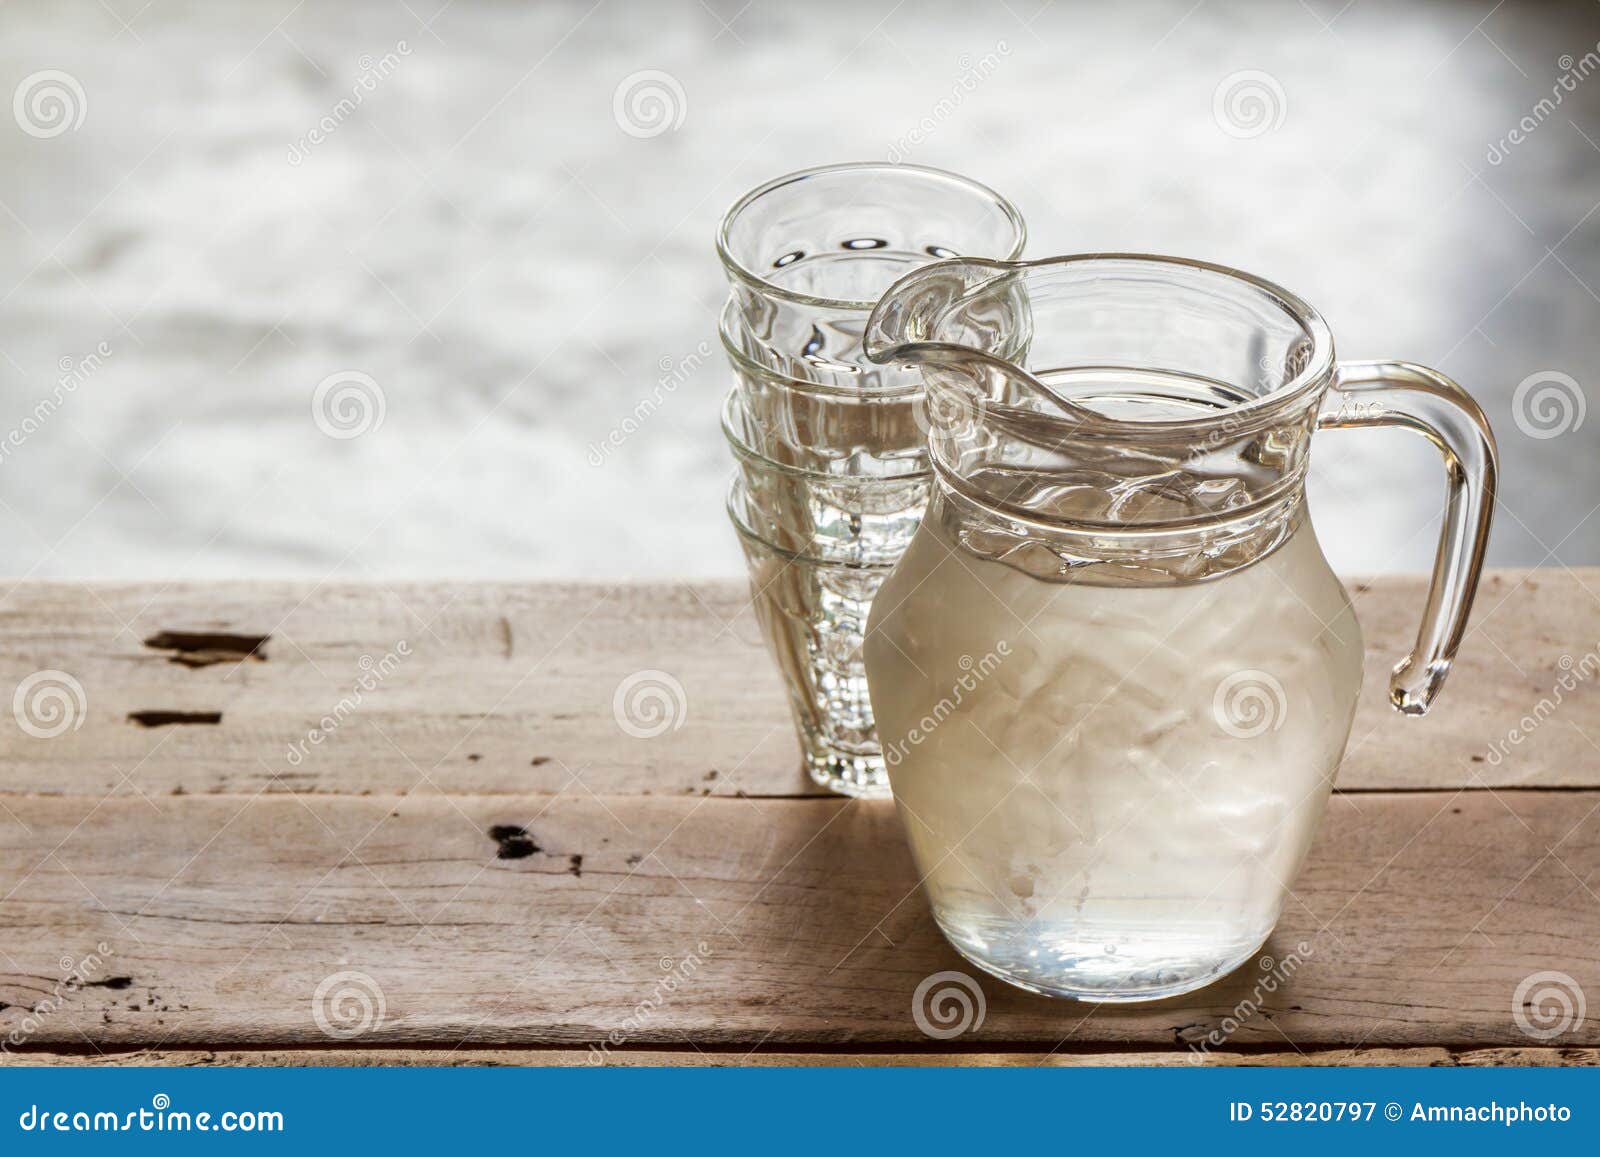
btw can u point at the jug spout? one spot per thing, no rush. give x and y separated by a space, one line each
967 324
936 306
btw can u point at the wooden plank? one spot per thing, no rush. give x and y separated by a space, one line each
775 922
472 687
676 1058
510 688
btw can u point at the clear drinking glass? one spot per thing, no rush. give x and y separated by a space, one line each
830 446
818 543
808 254
813 607
1114 674
827 423
808 507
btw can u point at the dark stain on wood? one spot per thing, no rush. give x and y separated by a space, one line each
113 982
173 718
203 648
575 864
514 840
539 761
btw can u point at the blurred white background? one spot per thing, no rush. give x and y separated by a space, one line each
481 237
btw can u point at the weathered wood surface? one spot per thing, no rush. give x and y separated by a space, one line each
505 875
509 689
702 1058
1415 921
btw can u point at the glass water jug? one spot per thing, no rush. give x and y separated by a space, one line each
1114 674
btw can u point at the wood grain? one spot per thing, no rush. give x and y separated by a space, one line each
221 915
509 689
657 1058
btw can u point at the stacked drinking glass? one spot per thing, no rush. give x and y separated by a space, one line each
833 473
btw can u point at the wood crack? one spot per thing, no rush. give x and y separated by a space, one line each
174 718
196 649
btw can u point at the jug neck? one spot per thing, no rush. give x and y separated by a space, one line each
1060 550
1117 453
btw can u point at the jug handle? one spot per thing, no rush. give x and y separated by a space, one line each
1413 397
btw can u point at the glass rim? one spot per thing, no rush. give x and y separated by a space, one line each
1312 378
848 385
739 498
755 280
748 453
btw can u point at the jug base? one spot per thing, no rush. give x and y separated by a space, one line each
1088 973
